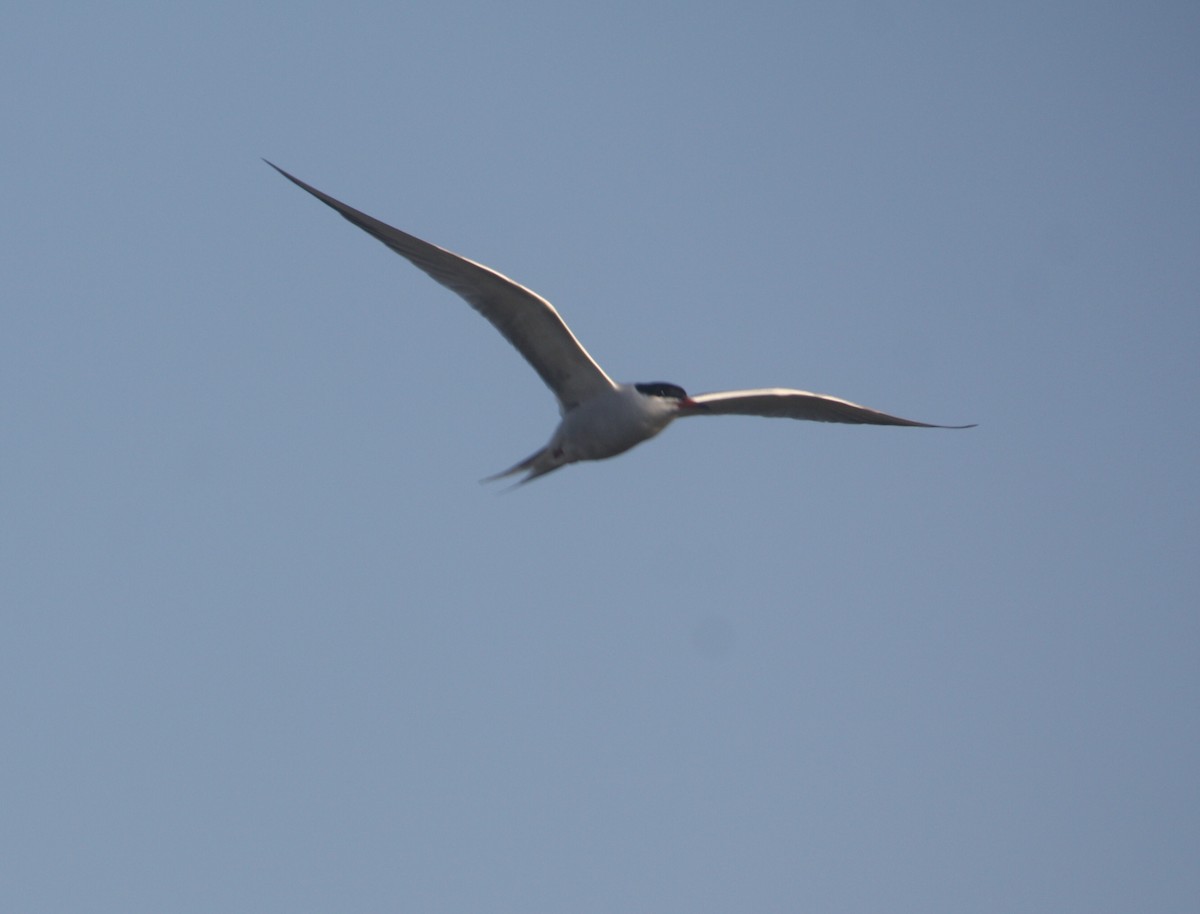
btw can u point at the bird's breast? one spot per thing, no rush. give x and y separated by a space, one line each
612 423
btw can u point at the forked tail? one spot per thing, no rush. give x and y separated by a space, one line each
537 464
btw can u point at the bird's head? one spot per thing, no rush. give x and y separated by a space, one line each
664 391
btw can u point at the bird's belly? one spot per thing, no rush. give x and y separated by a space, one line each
605 429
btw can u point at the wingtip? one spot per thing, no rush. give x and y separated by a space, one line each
281 171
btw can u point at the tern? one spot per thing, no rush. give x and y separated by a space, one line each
600 418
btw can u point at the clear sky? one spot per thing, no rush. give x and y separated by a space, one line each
267 646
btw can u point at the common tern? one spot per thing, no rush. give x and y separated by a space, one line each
600 417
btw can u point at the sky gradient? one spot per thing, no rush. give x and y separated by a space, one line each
268 646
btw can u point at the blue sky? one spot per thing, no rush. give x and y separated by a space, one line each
268 646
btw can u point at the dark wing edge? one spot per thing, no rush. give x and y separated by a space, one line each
529 322
781 403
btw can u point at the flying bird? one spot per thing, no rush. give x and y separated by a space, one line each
600 417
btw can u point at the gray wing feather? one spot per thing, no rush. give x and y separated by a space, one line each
525 319
780 403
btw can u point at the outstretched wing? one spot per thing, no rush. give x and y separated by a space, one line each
780 403
525 319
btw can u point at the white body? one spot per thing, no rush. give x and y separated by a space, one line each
611 423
